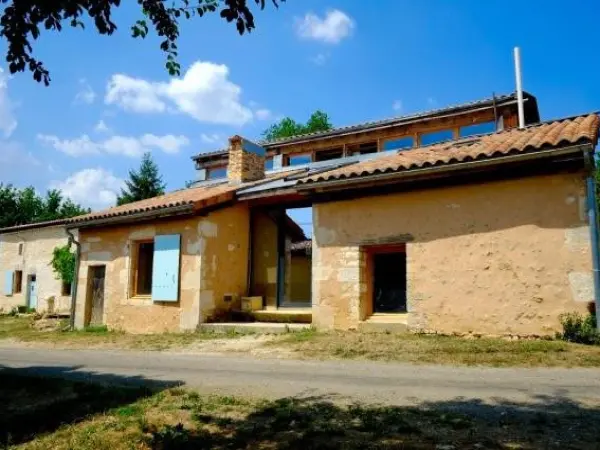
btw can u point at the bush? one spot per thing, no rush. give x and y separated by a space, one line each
579 329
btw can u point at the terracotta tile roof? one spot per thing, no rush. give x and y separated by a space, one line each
195 198
558 133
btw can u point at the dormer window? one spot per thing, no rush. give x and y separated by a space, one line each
478 128
299 159
399 144
434 137
217 173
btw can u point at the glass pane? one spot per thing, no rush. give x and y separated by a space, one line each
296 160
435 137
398 144
220 172
479 128
145 257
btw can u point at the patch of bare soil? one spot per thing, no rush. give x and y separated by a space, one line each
252 344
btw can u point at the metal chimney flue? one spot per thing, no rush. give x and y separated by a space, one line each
519 81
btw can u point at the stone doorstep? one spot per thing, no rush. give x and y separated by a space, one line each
253 327
385 323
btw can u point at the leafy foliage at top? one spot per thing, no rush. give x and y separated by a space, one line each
22 21
21 206
287 127
143 184
63 263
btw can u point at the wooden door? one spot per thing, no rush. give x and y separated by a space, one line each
96 295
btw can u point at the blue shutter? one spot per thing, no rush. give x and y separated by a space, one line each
8 282
165 268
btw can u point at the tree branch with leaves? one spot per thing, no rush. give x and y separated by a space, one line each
23 21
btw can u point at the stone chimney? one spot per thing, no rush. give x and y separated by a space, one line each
246 160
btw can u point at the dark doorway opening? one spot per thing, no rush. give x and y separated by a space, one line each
389 282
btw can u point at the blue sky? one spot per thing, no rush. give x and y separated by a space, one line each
111 98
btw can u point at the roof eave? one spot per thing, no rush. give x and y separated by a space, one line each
339 184
128 218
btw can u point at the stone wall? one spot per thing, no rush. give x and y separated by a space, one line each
38 244
246 161
214 253
505 257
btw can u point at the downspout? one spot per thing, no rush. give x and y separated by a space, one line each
73 240
594 234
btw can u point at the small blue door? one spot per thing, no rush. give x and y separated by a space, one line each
165 268
32 294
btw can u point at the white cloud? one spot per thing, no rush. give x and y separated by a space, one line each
205 93
8 122
115 145
331 29
73 147
101 127
96 188
134 94
320 59
167 143
85 94
398 106
211 138
263 114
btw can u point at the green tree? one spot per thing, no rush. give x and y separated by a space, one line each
21 206
145 183
63 263
286 127
22 22
8 205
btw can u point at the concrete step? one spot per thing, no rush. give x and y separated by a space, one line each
284 315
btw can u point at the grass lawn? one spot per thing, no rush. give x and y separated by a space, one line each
56 414
21 329
410 348
435 349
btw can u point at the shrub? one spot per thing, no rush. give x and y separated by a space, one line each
579 329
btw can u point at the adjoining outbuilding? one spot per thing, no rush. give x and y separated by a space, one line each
28 280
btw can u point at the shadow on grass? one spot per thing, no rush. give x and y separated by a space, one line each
37 400
180 419
318 423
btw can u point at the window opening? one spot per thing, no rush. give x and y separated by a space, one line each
436 136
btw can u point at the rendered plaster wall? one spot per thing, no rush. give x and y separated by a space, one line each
504 257
300 274
38 244
214 252
264 258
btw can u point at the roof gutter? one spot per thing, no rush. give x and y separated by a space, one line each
344 183
152 214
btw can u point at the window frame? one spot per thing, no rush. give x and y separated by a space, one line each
299 154
211 170
134 269
432 132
